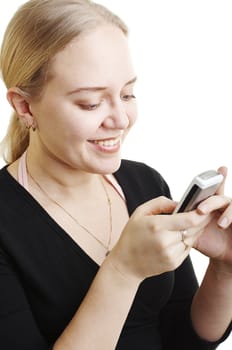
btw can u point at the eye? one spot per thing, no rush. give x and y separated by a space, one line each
89 107
128 97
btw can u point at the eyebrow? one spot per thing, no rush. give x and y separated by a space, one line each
98 88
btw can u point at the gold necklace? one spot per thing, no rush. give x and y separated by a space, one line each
105 246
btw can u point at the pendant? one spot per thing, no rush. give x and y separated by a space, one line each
108 252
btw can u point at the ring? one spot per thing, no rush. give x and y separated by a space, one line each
183 236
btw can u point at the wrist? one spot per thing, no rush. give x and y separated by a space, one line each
121 269
221 270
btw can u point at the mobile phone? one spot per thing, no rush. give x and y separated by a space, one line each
202 186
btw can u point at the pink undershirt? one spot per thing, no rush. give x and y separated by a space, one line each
23 177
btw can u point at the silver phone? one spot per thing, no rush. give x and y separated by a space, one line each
202 186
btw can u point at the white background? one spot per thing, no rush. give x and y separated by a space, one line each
182 53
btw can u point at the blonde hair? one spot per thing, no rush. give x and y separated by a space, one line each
37 31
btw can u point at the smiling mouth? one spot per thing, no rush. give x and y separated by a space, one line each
107 142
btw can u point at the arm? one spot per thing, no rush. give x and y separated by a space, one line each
212 305
137 256
161 246
18 329
98 321
163 251
101 316
176 326
109 299
104 310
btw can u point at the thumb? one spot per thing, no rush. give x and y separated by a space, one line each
222 170
159 205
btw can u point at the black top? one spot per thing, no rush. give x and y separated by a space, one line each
44 276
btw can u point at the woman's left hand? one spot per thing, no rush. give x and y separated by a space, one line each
216 240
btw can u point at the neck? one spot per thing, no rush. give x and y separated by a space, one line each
62 196
55 172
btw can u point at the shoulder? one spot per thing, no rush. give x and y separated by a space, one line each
11 192
139 169
4 178
141 182
7 193
142 175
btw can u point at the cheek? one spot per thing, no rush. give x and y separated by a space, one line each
60 120
69 123
132 113
83 126
78 132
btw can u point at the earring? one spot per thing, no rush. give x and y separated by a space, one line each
30 126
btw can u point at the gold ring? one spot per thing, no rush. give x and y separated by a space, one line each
183 236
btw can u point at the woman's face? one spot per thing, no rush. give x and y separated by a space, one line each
88 106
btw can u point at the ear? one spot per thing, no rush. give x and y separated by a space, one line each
20 104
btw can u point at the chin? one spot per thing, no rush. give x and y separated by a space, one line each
109 167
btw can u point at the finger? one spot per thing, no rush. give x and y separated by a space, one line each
159 205
222 170
183 241
187 220
180 250
179 221
225 219
213 203
189 237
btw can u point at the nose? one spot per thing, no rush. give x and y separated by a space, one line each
117 117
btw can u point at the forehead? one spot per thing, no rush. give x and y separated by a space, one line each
94 57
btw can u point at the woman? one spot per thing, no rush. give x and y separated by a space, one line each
88 260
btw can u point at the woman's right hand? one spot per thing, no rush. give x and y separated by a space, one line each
151 244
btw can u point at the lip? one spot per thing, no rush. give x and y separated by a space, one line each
107 145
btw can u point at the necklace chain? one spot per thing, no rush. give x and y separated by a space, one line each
105 246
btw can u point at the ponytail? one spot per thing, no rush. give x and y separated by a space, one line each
15 141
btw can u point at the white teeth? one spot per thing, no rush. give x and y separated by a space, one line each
106 143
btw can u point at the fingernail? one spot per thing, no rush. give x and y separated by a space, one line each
223 222
203 208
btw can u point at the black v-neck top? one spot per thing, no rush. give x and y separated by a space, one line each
44 276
